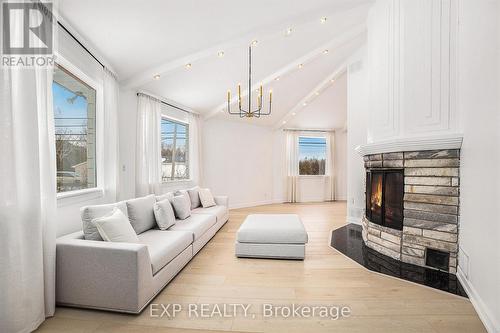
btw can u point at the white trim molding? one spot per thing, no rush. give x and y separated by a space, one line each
453 141
489 321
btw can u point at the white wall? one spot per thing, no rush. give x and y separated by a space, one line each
238 161
357 114
479 91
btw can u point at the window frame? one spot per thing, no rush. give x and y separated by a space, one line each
318 136
188 165
98 190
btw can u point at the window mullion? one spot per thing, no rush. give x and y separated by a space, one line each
174 149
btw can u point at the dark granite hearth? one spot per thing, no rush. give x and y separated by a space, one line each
348 240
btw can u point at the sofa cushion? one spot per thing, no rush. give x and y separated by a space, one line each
194 197
197 224
115 227
218 211
206 198
141 214
163 246
272 229
88 213
182 206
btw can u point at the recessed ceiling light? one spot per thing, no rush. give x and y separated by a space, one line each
332 80
254 42
325 51
317 93
284 122
300 66
277 78
220 54
288 31
305 103
293 113
323 20
188 66
156 77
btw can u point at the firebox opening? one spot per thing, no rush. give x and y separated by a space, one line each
384 197
437 259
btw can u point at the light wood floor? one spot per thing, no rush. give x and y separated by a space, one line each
326 277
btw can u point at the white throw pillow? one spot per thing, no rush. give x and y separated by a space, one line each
164 214
115 227
182 206
206 197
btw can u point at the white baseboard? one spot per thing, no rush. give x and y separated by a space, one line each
253 204
489 321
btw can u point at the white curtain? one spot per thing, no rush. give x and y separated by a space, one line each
27 199
292 165
195 149
111 146
148 148
330 165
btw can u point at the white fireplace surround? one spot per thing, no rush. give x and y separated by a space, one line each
441 142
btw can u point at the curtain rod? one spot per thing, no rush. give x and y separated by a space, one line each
171 105
79 43
308 130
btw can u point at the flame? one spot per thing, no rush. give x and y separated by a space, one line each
376 198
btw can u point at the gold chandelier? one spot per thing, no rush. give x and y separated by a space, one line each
249 113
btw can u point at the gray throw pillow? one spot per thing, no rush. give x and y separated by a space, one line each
182 206
141 214
164 214
88 213
194 197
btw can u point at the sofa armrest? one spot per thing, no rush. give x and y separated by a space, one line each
222 200
104 275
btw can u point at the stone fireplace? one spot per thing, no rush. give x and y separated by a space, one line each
412 206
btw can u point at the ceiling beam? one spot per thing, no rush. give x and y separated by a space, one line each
335 43
266 33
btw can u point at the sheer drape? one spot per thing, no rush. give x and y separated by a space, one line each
27 199
111 148
292 165
330 165
148 148
195 151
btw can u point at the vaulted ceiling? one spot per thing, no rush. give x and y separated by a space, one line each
298 54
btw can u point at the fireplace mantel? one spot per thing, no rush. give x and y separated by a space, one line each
412 144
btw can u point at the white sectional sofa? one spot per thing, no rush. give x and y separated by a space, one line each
125 277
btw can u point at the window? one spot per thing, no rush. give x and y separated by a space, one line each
174 150
74 116
312 156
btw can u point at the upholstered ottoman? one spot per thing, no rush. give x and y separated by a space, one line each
279 236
